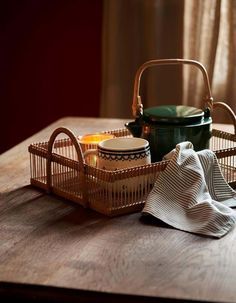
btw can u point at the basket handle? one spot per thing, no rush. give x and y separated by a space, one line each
137 106
229 110
74 140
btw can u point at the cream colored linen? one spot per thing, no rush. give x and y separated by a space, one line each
192 195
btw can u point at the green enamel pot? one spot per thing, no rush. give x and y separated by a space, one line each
167 125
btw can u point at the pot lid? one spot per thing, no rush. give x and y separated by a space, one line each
173 114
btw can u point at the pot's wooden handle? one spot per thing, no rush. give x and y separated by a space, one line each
229 110
137 106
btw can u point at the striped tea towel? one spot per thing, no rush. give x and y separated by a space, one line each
192 195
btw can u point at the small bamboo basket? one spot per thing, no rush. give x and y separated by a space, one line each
58 166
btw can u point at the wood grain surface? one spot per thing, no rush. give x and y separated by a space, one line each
48 241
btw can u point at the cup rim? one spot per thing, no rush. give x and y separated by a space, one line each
122 144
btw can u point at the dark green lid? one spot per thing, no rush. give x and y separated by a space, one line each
173 114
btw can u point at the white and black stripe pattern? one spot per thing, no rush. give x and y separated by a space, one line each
192 195
217 186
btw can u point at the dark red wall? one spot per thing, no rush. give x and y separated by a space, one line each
50 64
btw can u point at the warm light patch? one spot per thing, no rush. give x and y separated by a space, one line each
95 138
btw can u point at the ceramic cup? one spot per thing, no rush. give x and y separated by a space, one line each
119 153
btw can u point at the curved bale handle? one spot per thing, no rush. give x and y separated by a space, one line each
229 110
77 146
137 106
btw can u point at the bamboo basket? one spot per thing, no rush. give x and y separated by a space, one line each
58 167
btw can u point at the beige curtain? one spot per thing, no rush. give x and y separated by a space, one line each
210 37
135 31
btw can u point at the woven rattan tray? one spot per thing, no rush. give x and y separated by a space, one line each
58 167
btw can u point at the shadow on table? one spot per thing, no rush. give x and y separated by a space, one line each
32 206
150 220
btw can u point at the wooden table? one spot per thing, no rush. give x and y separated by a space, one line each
57 251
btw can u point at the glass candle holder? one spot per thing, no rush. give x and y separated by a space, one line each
90 141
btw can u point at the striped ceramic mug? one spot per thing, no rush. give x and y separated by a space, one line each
121 153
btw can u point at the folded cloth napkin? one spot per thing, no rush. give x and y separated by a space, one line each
192 195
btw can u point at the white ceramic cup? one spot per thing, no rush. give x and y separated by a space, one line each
120 153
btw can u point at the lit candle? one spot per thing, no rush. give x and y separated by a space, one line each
95 138
90 141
